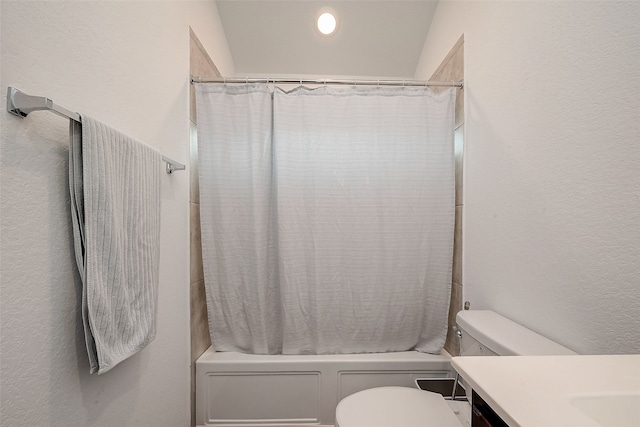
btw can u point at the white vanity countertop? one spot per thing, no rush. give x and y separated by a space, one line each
550 391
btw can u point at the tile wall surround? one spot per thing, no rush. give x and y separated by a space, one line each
452 69
200 65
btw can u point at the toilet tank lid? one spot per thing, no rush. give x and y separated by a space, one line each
506 337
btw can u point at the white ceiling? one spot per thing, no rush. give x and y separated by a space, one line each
374 38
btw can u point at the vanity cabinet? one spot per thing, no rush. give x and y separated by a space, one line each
482 415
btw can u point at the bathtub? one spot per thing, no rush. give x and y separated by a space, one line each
242 390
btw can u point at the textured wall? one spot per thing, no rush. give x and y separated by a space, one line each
127 64
552 164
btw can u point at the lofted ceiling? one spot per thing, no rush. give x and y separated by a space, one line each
375 38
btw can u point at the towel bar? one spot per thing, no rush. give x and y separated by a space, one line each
21 104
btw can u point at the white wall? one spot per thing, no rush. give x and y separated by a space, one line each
552 164
127 64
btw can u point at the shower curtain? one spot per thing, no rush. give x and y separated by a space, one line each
327 217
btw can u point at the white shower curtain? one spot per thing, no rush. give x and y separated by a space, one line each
327 217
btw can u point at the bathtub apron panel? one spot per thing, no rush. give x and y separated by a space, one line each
245 390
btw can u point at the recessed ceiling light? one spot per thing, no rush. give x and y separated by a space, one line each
326 23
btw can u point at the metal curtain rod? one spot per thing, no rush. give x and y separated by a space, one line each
21 104
354 82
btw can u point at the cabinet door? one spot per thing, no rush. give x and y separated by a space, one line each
482 415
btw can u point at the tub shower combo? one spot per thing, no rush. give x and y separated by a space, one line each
327 220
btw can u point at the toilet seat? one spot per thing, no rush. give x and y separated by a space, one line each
394 407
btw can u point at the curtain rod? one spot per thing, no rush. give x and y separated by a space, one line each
21 104
301 81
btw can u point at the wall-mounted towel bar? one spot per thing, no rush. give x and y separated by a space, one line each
21 104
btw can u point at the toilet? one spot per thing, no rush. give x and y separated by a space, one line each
481 333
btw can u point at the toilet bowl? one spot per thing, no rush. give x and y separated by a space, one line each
482 333
394 407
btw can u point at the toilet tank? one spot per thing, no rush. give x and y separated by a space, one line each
486 333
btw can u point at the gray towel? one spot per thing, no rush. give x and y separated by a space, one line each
115 208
